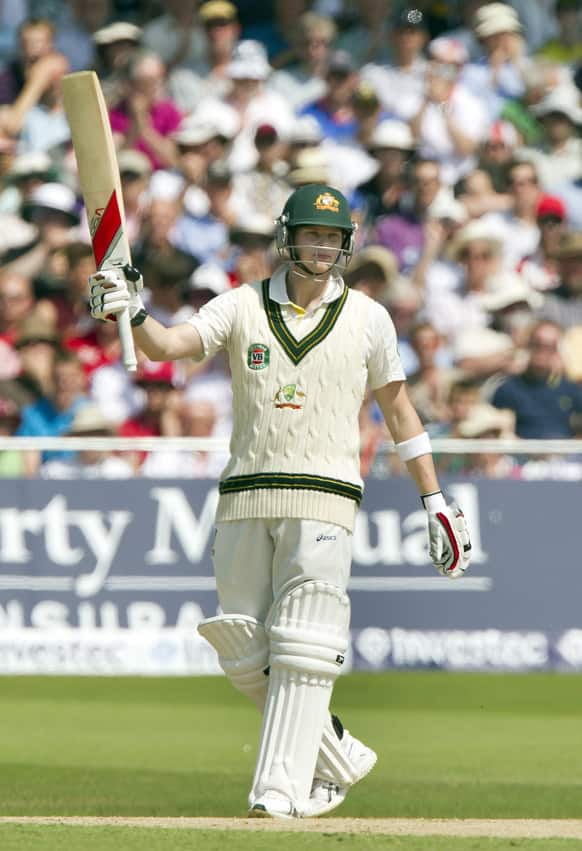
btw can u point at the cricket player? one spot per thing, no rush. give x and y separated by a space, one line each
302 348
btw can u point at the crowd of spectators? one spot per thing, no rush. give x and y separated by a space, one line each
454 129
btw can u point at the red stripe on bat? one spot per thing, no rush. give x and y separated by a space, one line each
108 226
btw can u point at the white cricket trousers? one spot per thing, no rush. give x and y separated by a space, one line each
256 560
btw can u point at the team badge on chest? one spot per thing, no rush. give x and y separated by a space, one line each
258 356
290 396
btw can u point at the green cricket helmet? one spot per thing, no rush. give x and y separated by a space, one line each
315 204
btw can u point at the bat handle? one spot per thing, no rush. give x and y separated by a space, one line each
126 338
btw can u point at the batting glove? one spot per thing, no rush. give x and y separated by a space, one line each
114 290
449 544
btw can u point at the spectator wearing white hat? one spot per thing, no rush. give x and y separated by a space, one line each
564 304
512 305
89 463
26 173
486 422
477 249
264 189
53 209
303 81
498 76
391 146
558 159
115 44
251 101
451 123
135 171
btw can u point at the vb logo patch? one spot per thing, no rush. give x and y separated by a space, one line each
258 356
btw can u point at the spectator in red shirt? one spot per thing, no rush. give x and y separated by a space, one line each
160 415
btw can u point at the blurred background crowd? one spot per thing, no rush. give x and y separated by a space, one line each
454 129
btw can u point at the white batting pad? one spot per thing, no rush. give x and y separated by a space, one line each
308 633
243 652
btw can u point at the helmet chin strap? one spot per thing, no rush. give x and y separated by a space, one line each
302 271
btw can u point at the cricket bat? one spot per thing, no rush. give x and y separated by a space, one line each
100 183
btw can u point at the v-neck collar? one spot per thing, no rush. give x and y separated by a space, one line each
295 349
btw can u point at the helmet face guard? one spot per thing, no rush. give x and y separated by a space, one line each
319 205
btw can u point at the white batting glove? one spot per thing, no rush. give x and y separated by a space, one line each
449 544
114 290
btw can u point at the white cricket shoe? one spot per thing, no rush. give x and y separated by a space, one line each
272 804
327 795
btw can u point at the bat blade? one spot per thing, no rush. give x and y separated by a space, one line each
100 183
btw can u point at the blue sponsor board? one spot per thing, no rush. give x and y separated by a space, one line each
135 556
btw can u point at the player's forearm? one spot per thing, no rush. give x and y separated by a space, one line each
163 344
424 474
407 430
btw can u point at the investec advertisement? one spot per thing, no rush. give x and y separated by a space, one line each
113 577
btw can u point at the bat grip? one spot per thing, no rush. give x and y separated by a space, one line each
126 338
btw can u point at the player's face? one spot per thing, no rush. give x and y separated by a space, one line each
317 247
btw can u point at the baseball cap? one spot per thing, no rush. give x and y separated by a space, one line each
341 62
551 206
266 133
155 372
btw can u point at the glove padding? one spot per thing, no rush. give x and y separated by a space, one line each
114 290
449 542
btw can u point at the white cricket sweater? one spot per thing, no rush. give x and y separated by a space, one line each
295 440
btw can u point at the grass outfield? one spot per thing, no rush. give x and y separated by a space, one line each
449 746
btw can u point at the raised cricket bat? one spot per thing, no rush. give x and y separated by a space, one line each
100 183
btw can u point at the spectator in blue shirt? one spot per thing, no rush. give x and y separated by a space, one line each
52 415
546 405
334 111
